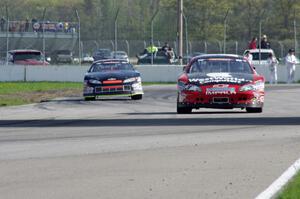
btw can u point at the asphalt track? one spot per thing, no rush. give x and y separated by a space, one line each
118 148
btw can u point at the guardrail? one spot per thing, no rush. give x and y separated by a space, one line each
70 73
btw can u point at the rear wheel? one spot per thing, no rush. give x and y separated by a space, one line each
254 110
183 110
136 97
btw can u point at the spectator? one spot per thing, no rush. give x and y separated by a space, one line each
264 42
290 62
272 63
27 25
166 47
66 27
248 56
152 49
2 23
252 44
171 55
33 21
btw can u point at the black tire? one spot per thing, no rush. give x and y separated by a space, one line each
254 110
89 98
136 97
183 110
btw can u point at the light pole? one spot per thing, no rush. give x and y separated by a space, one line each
225 31
259 41
79 39
152 41
295 36
260 16
180 30
44 42
7 36
186 36
116 30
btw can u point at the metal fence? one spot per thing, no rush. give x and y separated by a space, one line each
50 36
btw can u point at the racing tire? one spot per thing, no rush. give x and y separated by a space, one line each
183 110
89 98
254 110
136 97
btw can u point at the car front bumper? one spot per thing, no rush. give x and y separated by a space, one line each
113 90
238 100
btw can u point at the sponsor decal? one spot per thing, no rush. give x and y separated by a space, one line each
219 77
220 90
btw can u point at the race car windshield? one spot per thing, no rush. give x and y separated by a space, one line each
220 66
100 67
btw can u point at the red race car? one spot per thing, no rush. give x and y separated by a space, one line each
220 81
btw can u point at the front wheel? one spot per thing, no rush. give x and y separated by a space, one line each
254 110
136 97
183 110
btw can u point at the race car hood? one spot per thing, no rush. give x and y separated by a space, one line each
220 78
119 75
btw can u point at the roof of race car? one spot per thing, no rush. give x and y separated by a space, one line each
108 61
206 56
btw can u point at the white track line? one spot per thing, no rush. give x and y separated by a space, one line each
277 185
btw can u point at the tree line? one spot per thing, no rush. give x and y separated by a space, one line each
205 18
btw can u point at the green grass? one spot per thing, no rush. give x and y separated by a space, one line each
292 190
18 93
15 87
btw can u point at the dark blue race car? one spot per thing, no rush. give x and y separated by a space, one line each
112 77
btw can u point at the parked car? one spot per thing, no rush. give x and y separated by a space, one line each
87 59
102 54
112 77
62 57
159 58
120 55
264 54
220 81
26 57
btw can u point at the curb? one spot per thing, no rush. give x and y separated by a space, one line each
278 184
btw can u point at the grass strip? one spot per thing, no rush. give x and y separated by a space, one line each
291 190
18 93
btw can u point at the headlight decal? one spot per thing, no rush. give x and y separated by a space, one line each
94 81
257 86
132 79
189 87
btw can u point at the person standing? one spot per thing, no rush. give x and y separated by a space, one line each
2 23
290 62
248 56
252 44
272 64
27 24
264 44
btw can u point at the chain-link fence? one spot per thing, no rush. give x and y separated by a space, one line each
50 36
